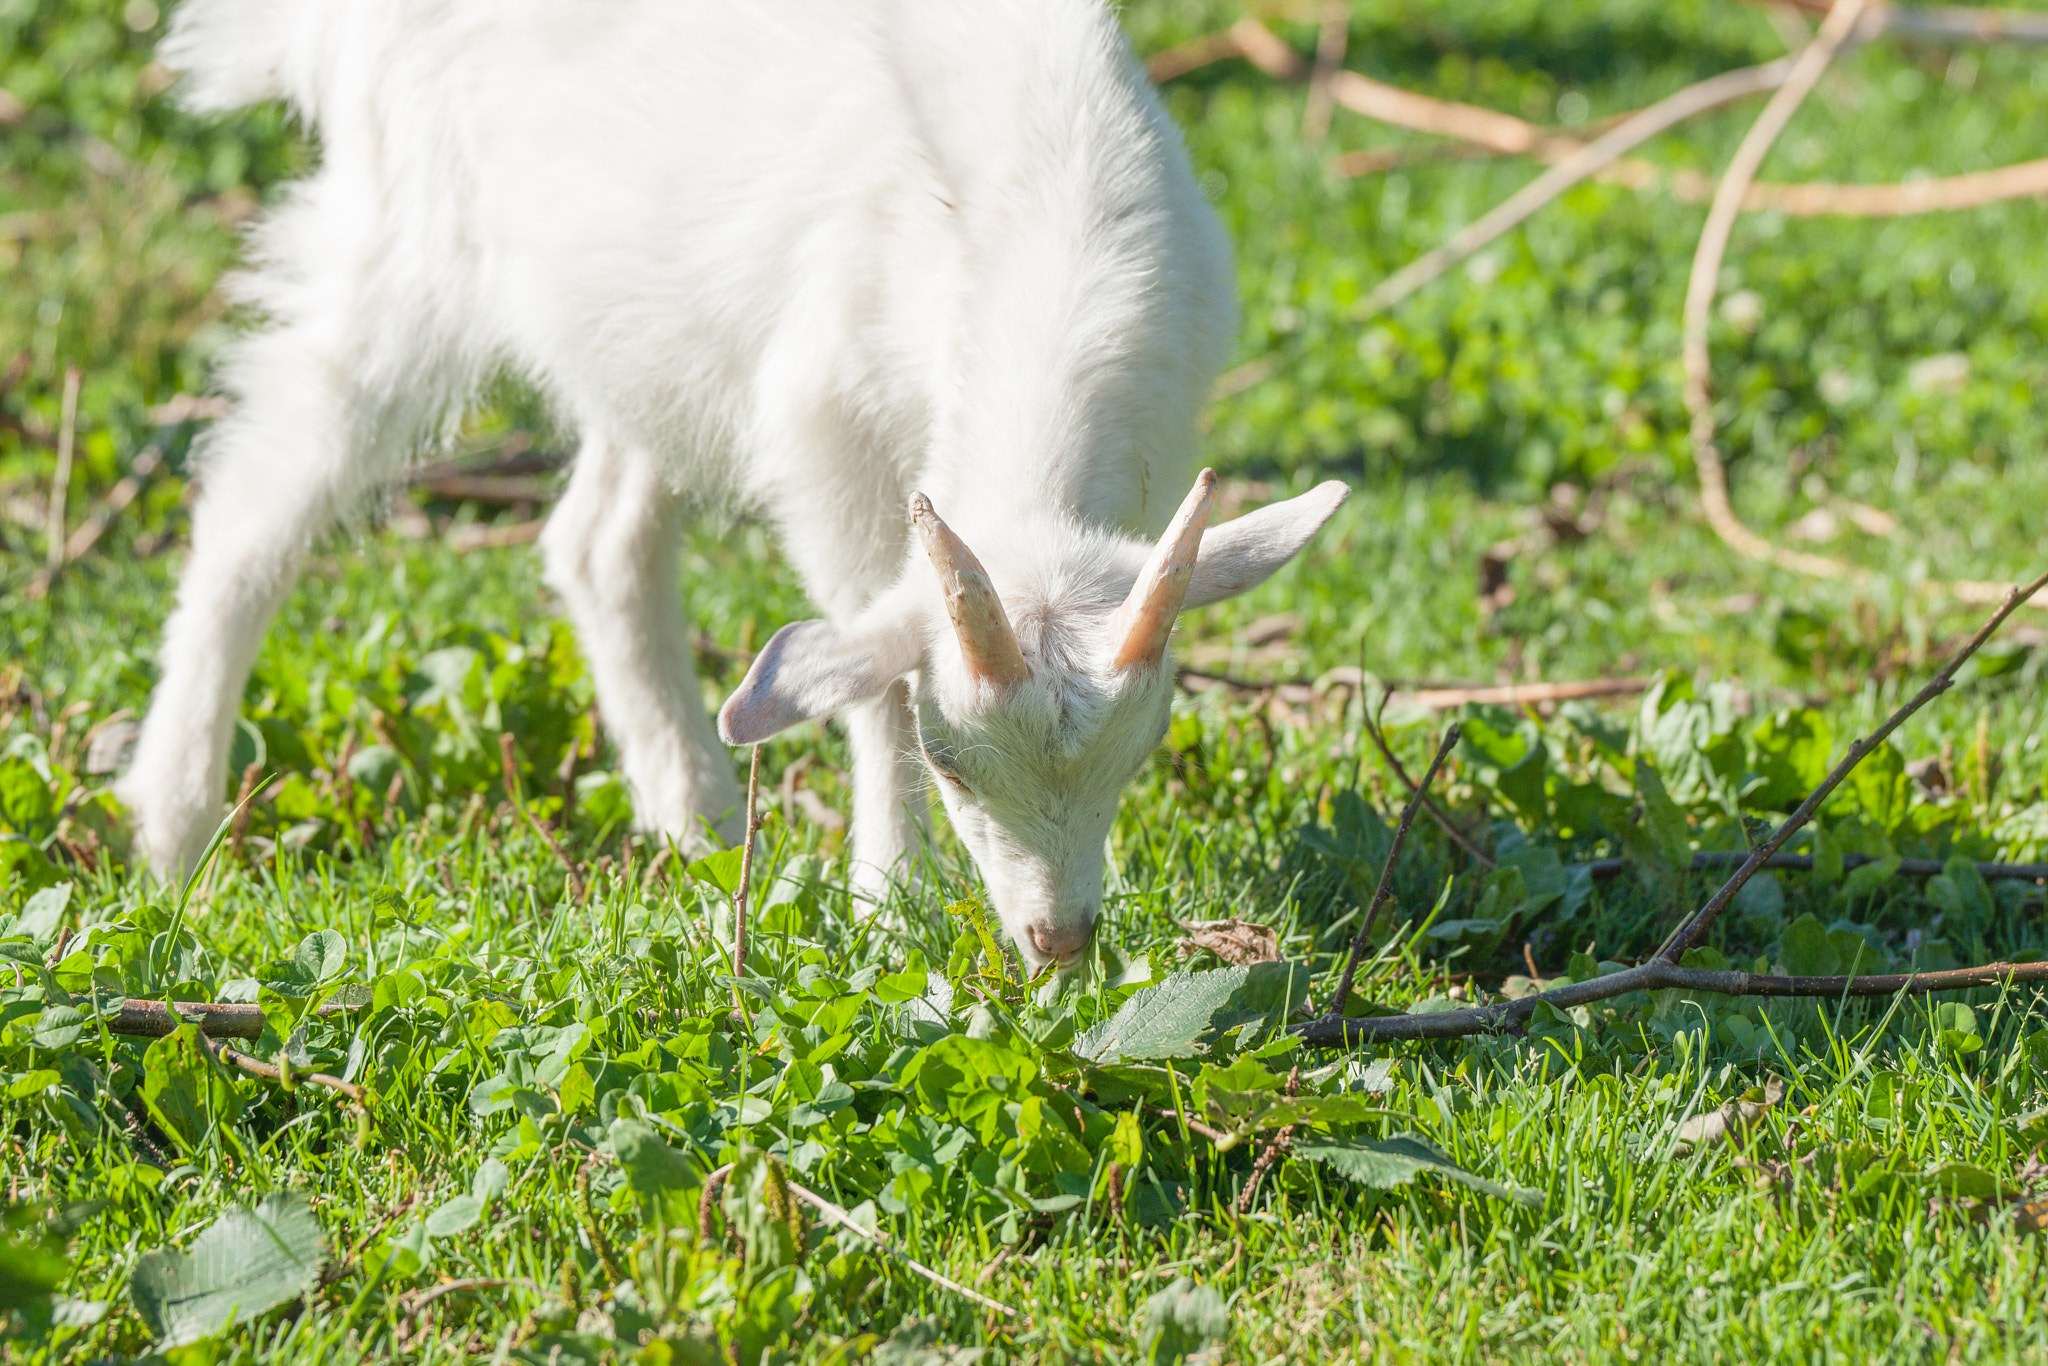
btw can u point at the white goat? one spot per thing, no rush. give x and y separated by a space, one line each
802 257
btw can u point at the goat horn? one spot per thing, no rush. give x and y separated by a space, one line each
987 643
1141 626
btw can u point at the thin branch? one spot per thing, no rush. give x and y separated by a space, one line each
1379 891
1806 71
1331 41
1194 1126
1609 147
1663 970
512 793
1688 934
739 896
256 1067
1946 23
838 1214
1708 859
1438 814
87 534
1969 191
1655 975
60 482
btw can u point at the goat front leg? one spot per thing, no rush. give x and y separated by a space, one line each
611 550
891 803
304 442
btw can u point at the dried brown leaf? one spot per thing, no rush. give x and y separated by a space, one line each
1239 942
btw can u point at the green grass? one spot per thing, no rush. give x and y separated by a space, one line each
497 1020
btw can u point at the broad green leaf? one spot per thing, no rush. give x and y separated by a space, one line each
59 1027
1963 896
32 1084
1955 1028
720 870
247 1262
657 1174
27 806
1964 1181
453 1216
899 987
42 913
1670 839
185 1089
1127 1141
1881 789
321 955
1804 950
1385 1163
1164 1021
30 1272
1544 879
1181 1320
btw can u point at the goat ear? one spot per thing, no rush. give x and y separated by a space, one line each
808 669
1242 554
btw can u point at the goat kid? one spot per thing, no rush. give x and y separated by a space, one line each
820 261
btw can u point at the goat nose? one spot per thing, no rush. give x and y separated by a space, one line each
1062 942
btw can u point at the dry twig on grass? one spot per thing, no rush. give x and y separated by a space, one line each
1729 198
1436 813
533 823
1379 891
739 896
839 1215
1943 23
1699 295
1664 971
256 1067
1707 859
60 481
1609 147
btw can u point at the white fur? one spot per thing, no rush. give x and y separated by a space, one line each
799 257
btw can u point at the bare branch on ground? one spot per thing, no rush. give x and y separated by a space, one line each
1663 971
1708 859
1379 891
533 823
1415 791
1688 934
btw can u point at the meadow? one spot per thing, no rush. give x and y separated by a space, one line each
499 1039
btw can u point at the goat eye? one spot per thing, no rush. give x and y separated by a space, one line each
954 779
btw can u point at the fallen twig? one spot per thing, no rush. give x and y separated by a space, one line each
1438 814
1331 40
1945 23
468 538
1688 933
533 823
739 896
1271 1154
837 1214
1654 975
60 482
412 1301
1806 71
256 1067
1729 197
1968 191
87 534
1379 891
1708 859
216 1019
1663 970
1609 147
